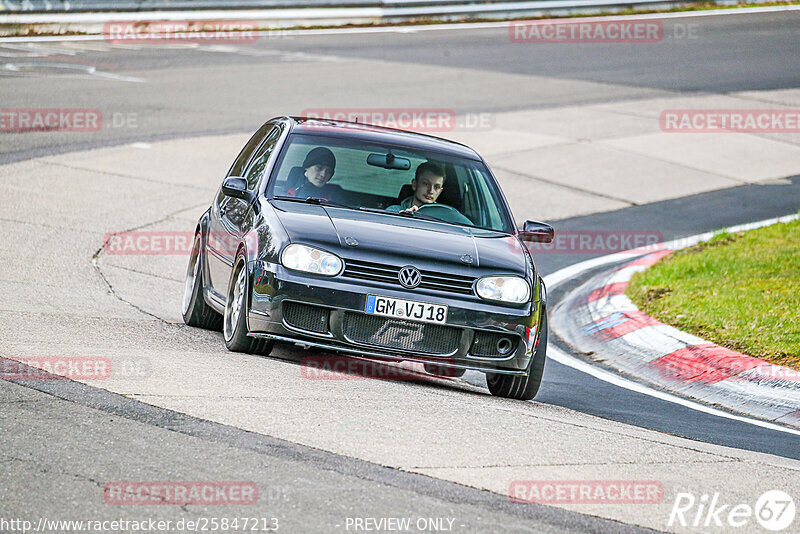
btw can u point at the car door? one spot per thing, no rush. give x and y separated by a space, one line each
231 217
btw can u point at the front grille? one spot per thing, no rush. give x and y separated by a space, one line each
485 344
376 272
404 335
306 317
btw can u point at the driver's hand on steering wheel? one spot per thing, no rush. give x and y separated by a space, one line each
412 208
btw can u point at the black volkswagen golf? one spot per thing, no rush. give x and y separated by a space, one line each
375 242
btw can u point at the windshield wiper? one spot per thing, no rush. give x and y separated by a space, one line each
313 200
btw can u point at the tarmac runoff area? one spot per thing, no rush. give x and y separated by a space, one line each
552 164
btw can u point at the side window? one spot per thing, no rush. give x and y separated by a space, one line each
237 169
481 210
261 157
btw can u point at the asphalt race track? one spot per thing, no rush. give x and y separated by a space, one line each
324 453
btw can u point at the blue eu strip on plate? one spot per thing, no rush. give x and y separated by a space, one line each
370 304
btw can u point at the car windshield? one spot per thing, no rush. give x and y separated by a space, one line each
359 174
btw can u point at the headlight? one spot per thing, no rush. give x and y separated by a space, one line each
504 288
310 260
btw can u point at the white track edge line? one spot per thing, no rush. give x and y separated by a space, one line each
562 357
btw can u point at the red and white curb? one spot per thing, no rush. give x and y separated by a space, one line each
599 320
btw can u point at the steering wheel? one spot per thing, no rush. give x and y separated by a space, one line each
445 213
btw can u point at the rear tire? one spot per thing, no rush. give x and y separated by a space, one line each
235 320
196 312
523 387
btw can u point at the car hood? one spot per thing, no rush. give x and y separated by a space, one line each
396 240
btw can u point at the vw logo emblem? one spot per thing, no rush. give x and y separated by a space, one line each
409 277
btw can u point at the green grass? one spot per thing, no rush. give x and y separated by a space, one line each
741 291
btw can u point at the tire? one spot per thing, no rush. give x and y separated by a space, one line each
523 387
440 370
196 312
234 323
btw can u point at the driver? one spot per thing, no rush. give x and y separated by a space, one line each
427 185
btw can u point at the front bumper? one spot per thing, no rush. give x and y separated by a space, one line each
467 338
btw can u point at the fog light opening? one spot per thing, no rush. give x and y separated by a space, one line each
504 345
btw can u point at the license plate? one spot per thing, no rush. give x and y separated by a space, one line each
406 309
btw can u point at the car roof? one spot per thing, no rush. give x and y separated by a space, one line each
380 134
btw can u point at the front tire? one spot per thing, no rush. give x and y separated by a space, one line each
196 312
523 387
235 320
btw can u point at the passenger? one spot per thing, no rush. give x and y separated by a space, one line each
427 185
319 166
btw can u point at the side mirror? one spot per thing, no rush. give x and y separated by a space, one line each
236 187
536 232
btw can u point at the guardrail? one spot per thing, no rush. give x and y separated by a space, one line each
76 6
35 17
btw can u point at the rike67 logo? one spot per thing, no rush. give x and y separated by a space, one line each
774 510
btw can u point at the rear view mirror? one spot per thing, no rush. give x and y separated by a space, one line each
389 161
536 232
